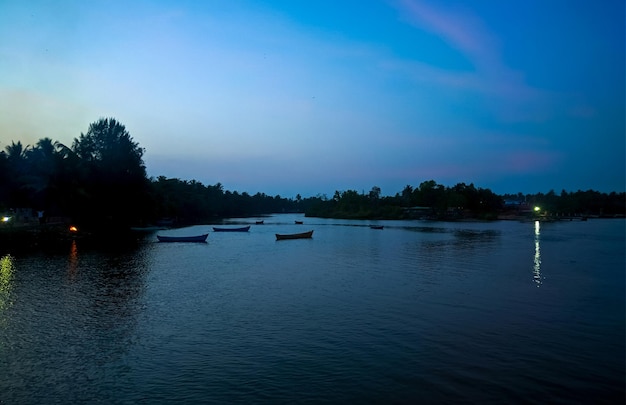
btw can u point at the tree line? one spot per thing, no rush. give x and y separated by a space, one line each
101 181
428 200
436 201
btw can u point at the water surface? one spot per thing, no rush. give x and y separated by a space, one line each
427 312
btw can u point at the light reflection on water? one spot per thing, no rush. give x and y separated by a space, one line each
424 313
537 258
72 260
7 268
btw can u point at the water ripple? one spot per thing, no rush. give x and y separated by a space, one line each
418 312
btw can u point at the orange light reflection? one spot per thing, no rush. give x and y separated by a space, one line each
73 260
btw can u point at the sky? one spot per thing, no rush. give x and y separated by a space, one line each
288 97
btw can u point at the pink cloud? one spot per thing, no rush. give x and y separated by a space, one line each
461 30
529 161
511 98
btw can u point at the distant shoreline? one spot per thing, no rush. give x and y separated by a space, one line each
61 231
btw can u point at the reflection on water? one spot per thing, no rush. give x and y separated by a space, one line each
537 259
73 260
354 315
7 268
6 271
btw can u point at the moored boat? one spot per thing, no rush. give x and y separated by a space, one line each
259 222
298 222
241 229
193 238
303 235
376 226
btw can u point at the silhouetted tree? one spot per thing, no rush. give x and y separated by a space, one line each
375 193
101 179
16 181
112 173
43 164
407 196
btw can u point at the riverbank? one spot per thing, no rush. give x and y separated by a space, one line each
27 238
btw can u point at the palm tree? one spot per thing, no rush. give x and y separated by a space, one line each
16 152
46 146
46 164
16 174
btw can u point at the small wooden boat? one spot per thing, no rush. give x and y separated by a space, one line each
259 222
376 226
299 222
242 229
194 238
303 235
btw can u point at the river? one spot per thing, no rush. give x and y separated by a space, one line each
418 312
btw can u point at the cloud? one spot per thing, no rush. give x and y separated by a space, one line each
461 30
503 89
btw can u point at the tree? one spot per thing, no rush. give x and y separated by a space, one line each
109 148
112 173
16 176
40 170
16 152
407 195
431 195
374 193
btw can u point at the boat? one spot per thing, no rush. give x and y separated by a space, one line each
259 222
376 226
242 229
303 235
299 222
194 238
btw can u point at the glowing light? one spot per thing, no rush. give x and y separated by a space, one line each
73 229
537 209
6 219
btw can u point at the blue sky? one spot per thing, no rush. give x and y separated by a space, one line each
287 97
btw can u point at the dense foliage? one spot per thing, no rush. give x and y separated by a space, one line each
432 200
101 181
192 202
429 199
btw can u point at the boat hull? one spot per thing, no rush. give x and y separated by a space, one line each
303 235
242 229
195 238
